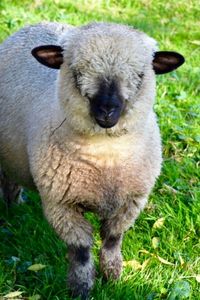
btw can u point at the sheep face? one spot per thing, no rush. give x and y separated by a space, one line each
106 83
105 72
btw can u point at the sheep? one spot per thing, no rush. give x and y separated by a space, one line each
77 124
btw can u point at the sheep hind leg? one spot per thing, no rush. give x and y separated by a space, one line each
9 190
110 256
112 231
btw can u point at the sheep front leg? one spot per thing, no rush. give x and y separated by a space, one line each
112 231
81 271
71 226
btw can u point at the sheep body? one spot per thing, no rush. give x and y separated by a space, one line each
50 142
18 95
24 119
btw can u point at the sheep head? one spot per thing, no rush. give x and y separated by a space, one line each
106 83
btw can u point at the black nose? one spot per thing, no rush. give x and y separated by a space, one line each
107 117
107 105
106 113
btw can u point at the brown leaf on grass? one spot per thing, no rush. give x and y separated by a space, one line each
162 260
182 262
197 277
145 252
36 267
170 189
133 264
159 223
13 295
136 265
195 42
155 242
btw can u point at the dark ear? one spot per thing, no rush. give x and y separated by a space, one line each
49 55
166 61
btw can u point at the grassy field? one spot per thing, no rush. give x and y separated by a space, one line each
162 251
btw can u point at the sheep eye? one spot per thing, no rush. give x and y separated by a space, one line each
77 75
140 76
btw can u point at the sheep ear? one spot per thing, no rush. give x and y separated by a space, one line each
166 61
49 55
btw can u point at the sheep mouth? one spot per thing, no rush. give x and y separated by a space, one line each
107 118
106 123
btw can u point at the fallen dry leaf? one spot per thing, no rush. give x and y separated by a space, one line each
13 295
197 278
159 223
182 262
36 267
170 189
155 242
145 252
133 264
164 261
195 42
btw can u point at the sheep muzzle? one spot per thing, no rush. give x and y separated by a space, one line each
107 105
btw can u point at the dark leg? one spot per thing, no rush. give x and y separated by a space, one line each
71 226
10 190
110 254
112 233
81 272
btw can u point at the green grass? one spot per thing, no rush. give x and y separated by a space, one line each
25 236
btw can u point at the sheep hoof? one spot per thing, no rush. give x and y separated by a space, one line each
80 280
81 290
111 263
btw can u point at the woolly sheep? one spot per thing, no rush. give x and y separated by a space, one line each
84 136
